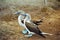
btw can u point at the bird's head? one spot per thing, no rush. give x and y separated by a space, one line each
20 12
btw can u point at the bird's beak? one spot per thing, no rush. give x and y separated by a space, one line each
15 13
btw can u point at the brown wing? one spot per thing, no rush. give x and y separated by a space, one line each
33 28
37 22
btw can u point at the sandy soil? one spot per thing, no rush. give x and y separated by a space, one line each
11 30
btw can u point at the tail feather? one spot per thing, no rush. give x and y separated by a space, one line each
42 35
46 33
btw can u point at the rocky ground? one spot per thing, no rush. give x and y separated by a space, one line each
10 29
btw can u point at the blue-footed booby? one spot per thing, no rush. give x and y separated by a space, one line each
24 20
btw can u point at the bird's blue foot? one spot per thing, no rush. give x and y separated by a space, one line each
25 31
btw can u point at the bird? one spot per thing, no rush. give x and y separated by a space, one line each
24 20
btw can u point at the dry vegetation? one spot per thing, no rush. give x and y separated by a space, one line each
10 29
